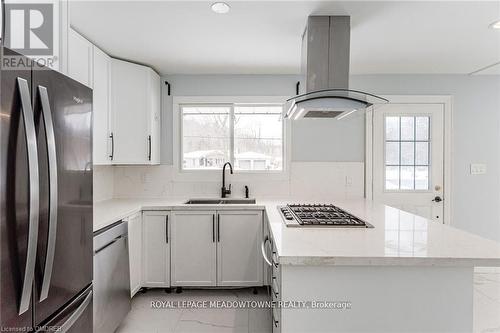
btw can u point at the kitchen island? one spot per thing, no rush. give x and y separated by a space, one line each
407 274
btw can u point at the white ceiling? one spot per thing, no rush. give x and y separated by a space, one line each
263 37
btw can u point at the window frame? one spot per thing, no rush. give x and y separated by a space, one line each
179 173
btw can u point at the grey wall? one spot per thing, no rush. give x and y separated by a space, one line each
476 128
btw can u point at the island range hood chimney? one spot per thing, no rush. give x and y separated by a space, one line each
325 68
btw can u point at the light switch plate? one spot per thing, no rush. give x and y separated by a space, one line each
477 169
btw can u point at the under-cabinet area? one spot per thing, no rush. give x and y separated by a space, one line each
195 248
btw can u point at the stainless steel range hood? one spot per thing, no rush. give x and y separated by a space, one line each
325 68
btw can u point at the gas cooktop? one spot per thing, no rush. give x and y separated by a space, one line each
320 215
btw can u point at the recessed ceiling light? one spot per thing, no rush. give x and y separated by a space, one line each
495 25
220 7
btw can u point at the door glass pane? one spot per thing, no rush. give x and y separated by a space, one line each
392 177
422 128
407 153
407 128
392 128
407 177
392 153
422 178
422 153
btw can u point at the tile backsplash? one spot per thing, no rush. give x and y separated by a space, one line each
305 180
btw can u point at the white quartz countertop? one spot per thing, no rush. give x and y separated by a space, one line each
397 239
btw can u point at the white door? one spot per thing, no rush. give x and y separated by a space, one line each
239 260
135 252
156 249
194 248
101 106
408 159
129 113
80 53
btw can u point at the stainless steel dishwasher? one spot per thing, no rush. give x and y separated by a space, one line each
111 277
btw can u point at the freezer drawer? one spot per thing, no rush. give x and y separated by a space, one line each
111 278
76 317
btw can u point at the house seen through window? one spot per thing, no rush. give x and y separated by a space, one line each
250 136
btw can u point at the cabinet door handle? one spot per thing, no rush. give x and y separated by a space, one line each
112 137
218 228
149 147
213 228
166 229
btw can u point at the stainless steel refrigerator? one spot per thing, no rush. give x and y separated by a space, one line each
45 198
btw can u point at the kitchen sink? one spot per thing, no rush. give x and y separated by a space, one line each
220 201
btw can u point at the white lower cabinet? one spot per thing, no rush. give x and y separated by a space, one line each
239 261
156 238
194 248
135 252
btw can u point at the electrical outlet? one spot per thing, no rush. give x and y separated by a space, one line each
477 169
348 181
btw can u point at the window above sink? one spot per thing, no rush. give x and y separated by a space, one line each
249 132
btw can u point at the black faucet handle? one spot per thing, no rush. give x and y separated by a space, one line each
229 189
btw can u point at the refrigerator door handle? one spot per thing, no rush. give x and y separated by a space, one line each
75 315
34 199
52 158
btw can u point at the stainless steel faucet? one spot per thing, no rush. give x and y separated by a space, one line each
225 191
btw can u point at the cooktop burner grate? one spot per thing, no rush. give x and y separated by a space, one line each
319 215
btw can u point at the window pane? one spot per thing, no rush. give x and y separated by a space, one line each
422 153
392 178
422 178
258 137
407 128
407 177
205 136
407 153
422 128
392 128
392 153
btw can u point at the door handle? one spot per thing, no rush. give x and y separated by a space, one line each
218 228
112 137
437 199
213 228
34 199
52 158
166 228
263 250
149 147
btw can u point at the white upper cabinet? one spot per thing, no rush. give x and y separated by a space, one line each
101 106
80 53
134 113
154 107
